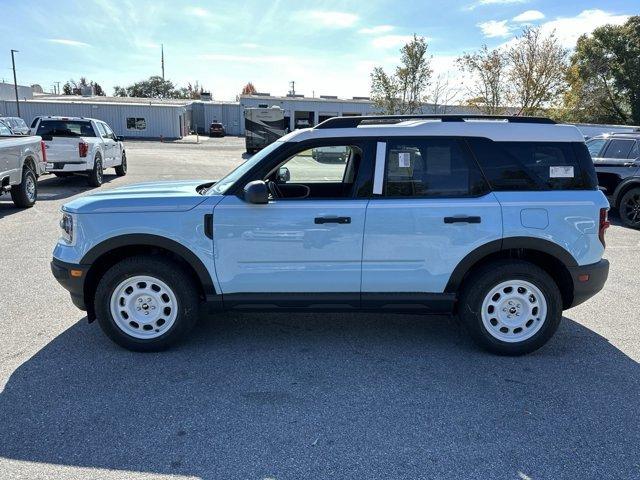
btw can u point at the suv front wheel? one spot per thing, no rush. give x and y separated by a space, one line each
510 307
146 304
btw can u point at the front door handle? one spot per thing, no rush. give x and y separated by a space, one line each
323 220
462 219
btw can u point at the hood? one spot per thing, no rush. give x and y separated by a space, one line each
168 196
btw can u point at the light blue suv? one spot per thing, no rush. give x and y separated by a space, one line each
496 219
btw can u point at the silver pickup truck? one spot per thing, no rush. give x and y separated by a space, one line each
22 161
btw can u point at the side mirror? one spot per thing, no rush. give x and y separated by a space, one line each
119 138
47 138
284 175
256 192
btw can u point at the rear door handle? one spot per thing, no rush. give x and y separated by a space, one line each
462 219
323 220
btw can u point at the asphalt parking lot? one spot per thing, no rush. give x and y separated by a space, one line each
281 396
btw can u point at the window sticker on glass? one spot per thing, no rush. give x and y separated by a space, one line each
561 172
404 159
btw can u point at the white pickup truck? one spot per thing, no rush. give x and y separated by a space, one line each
22 161
77 145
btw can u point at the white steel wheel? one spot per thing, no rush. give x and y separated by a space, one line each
514 311
143 307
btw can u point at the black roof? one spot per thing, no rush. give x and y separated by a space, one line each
352 122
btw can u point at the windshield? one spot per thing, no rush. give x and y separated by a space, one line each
224 183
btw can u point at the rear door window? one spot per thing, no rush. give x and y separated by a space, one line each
635 152
431 167
619 148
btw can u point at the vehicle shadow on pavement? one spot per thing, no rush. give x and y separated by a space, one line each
328 396
53 188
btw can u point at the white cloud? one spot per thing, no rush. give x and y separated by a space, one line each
198 11
480 3
330 19
250 45
529 16
390 41
495 28
66 41
376 30
568 29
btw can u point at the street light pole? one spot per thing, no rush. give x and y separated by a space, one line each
15 81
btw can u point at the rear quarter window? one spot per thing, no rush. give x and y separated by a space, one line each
535 165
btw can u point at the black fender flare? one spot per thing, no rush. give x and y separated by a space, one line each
150 240
530 243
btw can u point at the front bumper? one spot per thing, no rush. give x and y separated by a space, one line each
73 282
588 280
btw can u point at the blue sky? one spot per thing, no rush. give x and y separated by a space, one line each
327 47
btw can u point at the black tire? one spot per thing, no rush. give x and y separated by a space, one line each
96 175
481 282
121 170
25 194
62 174
629 208
173 275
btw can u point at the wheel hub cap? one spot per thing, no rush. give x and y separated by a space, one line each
143 307
514 311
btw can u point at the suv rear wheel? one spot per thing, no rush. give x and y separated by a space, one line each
630 208
510 307
146 304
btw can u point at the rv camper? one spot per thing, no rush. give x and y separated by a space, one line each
262 126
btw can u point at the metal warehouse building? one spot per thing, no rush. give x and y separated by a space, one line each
174 118
130 119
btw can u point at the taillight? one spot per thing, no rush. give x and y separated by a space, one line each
83 149
604 224
43 147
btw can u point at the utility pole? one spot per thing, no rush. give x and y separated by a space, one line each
292 84
162 59
57 89
15 81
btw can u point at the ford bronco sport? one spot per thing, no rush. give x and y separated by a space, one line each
496 219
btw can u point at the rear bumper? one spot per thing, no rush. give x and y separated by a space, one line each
588 280
74 166
73 284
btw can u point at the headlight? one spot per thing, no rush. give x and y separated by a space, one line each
67 228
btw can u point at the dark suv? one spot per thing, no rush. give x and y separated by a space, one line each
617 161
216 129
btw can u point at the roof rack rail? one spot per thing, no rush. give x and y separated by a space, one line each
353 122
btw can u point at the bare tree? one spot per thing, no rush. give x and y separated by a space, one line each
442 93
487 69
537 70
402 92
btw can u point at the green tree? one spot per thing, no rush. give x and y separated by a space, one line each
153 87
536 71
604 75
402 92
486 89
72 87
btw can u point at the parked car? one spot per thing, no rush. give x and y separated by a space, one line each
22 161
499 222
16 124
216 129
77 145
617 162
332 154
